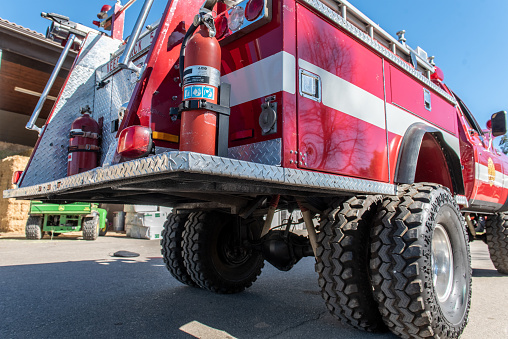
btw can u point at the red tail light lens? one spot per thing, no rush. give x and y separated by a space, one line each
135 142
221 26
254 9
16 176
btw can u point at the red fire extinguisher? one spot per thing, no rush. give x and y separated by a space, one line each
201 79
83 144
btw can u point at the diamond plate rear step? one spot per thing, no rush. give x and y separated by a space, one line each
176 177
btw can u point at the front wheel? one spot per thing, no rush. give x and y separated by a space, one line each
421 264
216 251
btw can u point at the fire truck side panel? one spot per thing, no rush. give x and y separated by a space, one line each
344 131
49 159
409 95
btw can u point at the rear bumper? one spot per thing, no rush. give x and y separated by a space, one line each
169 177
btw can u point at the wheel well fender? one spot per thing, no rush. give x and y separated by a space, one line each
410 149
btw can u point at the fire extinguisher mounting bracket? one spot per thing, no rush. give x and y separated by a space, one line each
223 110
188 105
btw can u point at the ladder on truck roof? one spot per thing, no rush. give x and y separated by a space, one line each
418 58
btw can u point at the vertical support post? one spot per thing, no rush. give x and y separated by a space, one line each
117 23
125 59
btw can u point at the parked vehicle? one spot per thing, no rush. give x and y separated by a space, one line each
231 110
55 219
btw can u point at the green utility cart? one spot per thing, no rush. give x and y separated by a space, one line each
61 218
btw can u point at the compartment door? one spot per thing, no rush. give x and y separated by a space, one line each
341 106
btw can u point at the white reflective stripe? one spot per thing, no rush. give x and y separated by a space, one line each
348 98
271 75
482 174
399 120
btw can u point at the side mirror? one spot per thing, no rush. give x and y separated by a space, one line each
498 123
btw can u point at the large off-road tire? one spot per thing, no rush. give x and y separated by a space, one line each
421 264
216 256
342 262
496 228
33 228
172 250
90 227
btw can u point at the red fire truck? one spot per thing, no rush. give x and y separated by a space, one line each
231 110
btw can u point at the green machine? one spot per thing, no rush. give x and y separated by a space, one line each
61 218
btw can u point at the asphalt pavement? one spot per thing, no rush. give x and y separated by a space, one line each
71 288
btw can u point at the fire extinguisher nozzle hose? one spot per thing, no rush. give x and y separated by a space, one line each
188 35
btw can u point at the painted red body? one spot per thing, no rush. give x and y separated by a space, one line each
356 129
83 145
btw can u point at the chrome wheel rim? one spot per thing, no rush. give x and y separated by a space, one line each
442 263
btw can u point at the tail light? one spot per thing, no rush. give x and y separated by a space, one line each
135 142
244 16
221 26
254 9
16 176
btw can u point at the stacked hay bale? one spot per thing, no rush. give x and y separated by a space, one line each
13 213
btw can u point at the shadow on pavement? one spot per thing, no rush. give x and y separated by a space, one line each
486 273
119 297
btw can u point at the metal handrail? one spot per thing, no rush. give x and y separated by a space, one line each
31 123
125 60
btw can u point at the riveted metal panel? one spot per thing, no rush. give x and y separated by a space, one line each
50 158
193 163
265 152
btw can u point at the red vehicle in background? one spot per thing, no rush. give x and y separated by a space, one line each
231 110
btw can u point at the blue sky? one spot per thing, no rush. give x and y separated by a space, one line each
469 38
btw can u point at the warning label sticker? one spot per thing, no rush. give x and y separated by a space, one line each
199 92
205 75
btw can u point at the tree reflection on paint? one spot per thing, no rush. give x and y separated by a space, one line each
330 140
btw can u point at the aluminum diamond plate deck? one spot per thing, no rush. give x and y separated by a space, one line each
170 163
265 152
78 92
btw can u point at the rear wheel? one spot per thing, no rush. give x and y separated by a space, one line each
421 264
343 262
33 228
90 227
497 240
103 231
171 248
216 251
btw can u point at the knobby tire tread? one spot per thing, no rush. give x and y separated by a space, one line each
172 250
497 241
33 228
90 228
198 233
399 276
343 262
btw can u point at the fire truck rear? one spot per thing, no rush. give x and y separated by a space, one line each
232 110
